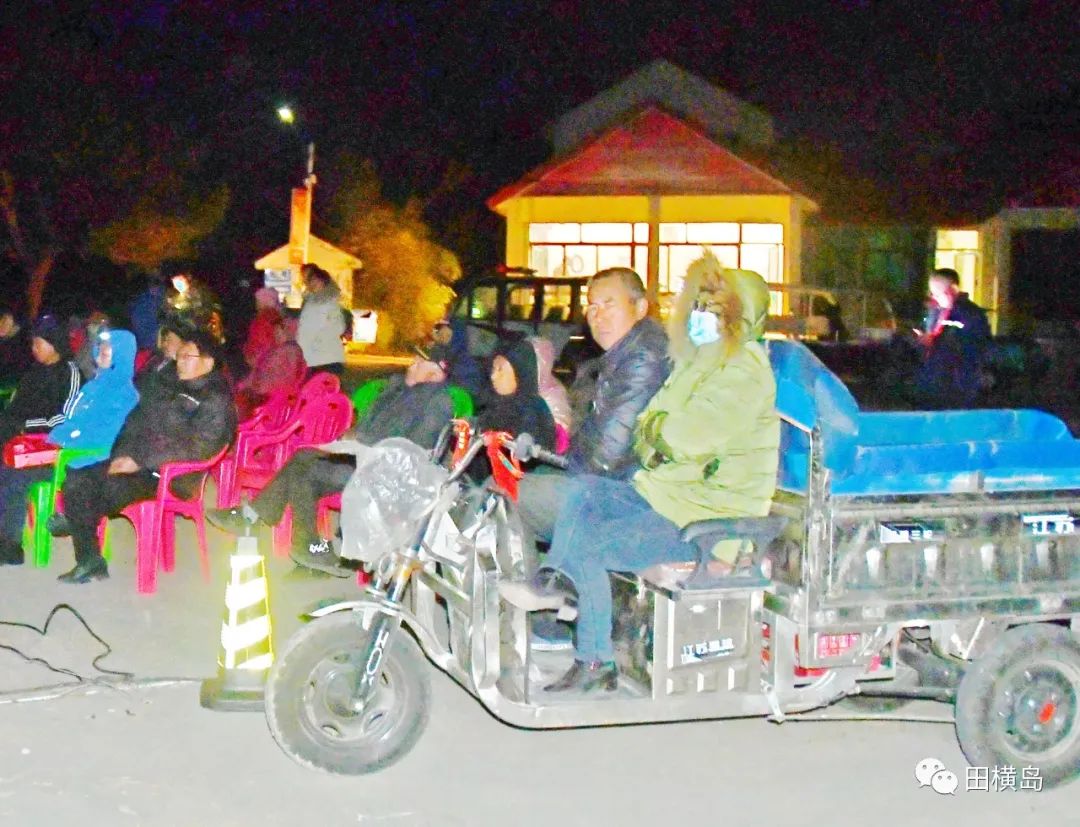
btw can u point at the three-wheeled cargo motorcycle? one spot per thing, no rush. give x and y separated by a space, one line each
906 556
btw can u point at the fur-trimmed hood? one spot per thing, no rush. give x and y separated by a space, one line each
709 281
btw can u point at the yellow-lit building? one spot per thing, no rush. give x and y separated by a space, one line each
644 178
281 275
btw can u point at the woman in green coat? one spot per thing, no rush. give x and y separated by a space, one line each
708 442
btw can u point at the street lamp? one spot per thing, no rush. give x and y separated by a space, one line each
287 115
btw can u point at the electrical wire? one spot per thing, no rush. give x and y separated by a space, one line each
114 679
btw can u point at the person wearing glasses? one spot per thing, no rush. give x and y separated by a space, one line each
191 419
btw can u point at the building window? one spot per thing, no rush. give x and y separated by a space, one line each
559 250
959 249
570 249
757 247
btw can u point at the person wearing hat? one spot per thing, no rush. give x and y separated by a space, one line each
46 393
190 419
415 406
44 398
708 444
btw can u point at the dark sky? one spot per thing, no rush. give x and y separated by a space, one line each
947 109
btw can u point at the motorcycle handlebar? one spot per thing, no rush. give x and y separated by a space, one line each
526 448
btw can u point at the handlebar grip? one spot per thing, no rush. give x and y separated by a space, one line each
550 457
526 448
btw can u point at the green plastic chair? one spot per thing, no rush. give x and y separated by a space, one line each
365 395
41 502
461 401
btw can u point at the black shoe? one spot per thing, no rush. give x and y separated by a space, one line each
233 520
58 525
85 572
587 677
320 556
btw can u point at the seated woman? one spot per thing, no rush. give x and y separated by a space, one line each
96 417
708 441
279 368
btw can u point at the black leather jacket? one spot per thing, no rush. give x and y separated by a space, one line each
626 377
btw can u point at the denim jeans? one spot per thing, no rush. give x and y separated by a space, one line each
605 526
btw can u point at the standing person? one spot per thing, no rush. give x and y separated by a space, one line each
261 332
97 415
956 339
709 444
192 419
321 322
144 310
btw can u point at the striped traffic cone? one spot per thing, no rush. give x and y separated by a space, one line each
246 651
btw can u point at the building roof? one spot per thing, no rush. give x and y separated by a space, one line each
651 152
320 252
682 93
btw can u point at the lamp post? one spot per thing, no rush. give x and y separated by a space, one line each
300 210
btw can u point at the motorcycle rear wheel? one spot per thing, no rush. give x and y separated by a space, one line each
308 698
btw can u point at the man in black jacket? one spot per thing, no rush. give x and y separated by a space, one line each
415 406
957 336
192 419
633 367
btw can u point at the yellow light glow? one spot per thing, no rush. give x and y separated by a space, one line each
285 114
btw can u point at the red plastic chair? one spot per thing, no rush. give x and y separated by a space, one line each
272 414
155 522
260 456
275 415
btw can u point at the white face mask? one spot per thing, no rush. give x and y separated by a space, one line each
703 327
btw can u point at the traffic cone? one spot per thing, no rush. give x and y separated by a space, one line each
246 651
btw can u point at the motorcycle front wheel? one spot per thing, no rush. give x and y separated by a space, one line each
309 698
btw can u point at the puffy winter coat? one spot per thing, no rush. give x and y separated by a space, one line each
320 328
710 437
629 374
186 420
104 402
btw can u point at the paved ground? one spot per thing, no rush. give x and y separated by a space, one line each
153 756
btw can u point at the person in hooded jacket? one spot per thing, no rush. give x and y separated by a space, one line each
450 347
280 368
261 332
551 389
190 419
709 446
96 417
516 405
321 323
